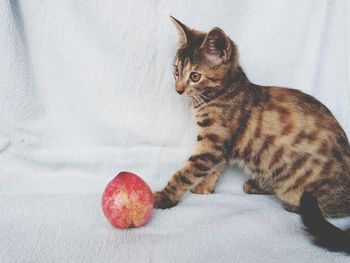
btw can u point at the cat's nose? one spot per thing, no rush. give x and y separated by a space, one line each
180 91
180 88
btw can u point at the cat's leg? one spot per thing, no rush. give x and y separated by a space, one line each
198 169
207 185
252 186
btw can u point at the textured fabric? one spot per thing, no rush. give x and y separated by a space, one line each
86 91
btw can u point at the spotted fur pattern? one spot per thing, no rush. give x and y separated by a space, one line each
288 141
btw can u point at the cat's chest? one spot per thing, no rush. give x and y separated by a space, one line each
214 118
237 162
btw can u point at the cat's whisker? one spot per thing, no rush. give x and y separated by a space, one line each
205 97
192 97
198 100
202 100
209 100
195 98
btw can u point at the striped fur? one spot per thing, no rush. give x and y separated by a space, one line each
288 141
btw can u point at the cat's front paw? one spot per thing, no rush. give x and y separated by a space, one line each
163 201
202 189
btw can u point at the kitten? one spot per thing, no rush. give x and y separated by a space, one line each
288 141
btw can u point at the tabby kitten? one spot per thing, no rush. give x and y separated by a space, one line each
288 141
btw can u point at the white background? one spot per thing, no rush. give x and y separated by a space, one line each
86 91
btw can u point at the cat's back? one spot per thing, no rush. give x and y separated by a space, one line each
291 120
304 105
300 115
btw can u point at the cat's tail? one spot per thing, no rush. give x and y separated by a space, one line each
324 233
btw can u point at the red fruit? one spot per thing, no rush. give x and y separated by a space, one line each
127 201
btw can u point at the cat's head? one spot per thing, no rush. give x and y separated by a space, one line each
203 61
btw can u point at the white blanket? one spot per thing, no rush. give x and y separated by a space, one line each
86 91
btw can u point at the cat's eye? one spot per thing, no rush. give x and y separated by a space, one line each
195 76
176 71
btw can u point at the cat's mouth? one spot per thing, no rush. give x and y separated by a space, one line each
198 99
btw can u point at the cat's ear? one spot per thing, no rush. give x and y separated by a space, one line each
217 46
183 32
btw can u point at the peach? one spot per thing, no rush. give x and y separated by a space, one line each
127 201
